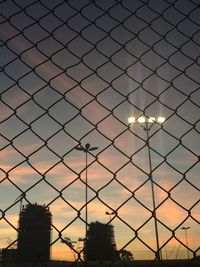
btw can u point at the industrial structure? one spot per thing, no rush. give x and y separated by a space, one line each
34 235
100 244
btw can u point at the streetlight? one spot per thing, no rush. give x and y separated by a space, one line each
86 149
110 214
186 238
147 123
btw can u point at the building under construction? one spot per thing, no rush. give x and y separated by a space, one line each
34 235
100 244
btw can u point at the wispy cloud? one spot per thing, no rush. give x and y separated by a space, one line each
171 213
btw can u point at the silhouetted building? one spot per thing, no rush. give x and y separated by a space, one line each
8 255
100 245
34 234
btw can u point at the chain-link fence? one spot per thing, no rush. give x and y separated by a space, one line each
72 73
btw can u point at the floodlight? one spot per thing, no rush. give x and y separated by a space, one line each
131 120
141 119
161 119
151 119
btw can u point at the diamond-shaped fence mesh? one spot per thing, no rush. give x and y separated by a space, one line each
72 73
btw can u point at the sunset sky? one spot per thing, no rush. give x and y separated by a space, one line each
72 72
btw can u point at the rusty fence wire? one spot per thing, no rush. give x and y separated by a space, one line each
71 74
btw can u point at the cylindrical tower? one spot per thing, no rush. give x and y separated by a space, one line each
34 234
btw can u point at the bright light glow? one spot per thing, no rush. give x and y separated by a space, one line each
161 119
151 119
141 119
131 120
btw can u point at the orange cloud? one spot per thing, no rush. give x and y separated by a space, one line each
19 174
8 233
5 112
171 214
61 252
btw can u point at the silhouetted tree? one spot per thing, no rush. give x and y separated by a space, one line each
70 244
126 255
77 249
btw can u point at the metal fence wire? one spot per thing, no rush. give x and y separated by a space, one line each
72 73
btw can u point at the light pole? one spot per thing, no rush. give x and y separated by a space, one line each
186 239
86 149
110 214
20 199
147 124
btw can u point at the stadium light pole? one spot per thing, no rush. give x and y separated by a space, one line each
186 239
87 148
147 124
